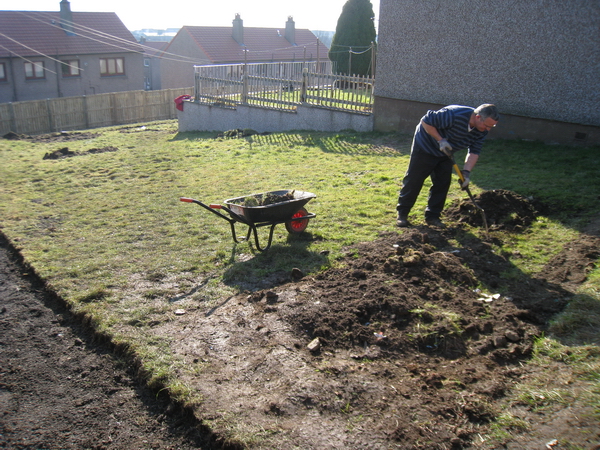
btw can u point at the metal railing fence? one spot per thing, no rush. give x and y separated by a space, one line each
282 86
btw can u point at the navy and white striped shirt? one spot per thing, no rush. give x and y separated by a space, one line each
452 122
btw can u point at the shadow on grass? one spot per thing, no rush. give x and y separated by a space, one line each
344 142
279 264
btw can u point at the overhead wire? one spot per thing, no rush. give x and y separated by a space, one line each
94 32
125 44
179 58
25 59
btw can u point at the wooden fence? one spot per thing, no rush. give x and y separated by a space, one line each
282 86
92 111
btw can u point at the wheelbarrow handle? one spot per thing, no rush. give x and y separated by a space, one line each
191 200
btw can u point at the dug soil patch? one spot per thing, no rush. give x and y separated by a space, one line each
66 153
409 342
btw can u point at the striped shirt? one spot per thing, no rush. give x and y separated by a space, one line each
452 122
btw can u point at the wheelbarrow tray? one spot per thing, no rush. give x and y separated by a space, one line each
274 212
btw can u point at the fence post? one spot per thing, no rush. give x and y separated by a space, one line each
350 61
86 112
113 109
245 79
50 118
304 84
318 60
13 118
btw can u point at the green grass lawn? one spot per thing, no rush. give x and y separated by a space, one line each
108 233
93 225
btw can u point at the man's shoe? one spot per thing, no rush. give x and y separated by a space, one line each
435 222
402 221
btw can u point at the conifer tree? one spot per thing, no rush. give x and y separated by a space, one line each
350 49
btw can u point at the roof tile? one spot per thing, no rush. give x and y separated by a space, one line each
31 33
262 44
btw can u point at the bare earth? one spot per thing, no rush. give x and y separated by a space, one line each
389 370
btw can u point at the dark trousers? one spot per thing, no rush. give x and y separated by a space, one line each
421 166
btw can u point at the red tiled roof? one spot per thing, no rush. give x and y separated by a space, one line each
262 44
29 33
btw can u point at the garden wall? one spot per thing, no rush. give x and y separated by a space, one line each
202 117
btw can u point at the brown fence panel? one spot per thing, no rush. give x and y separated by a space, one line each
128 106
67 113
92 111
6 118
31 117
99 110
159 105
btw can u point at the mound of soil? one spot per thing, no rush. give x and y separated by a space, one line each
504 210
393 347
66 153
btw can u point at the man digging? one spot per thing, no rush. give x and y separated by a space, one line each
437 137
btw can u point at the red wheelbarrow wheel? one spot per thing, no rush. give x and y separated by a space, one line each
297 226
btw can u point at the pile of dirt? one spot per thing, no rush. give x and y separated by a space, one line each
12 136
504 210
240 133
66 153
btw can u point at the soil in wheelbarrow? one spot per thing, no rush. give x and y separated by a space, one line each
270 198
388 370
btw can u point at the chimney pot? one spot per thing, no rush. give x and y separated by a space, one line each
66 17
290 30
238 29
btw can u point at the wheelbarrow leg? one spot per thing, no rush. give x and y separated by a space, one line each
258 247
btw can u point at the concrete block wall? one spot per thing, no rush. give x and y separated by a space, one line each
201 117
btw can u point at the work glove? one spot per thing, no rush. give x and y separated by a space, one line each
467 176
446 148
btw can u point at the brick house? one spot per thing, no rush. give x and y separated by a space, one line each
204 45
538 61
63 54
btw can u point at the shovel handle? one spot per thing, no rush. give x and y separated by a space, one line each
458 172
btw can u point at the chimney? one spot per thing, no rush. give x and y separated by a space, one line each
290 31
66 17
238 30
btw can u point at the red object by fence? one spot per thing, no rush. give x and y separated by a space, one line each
179 101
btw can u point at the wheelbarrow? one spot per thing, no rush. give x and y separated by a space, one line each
266 209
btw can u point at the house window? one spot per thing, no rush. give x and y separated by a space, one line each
112 66
34 70
146 62
3 72
70 68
